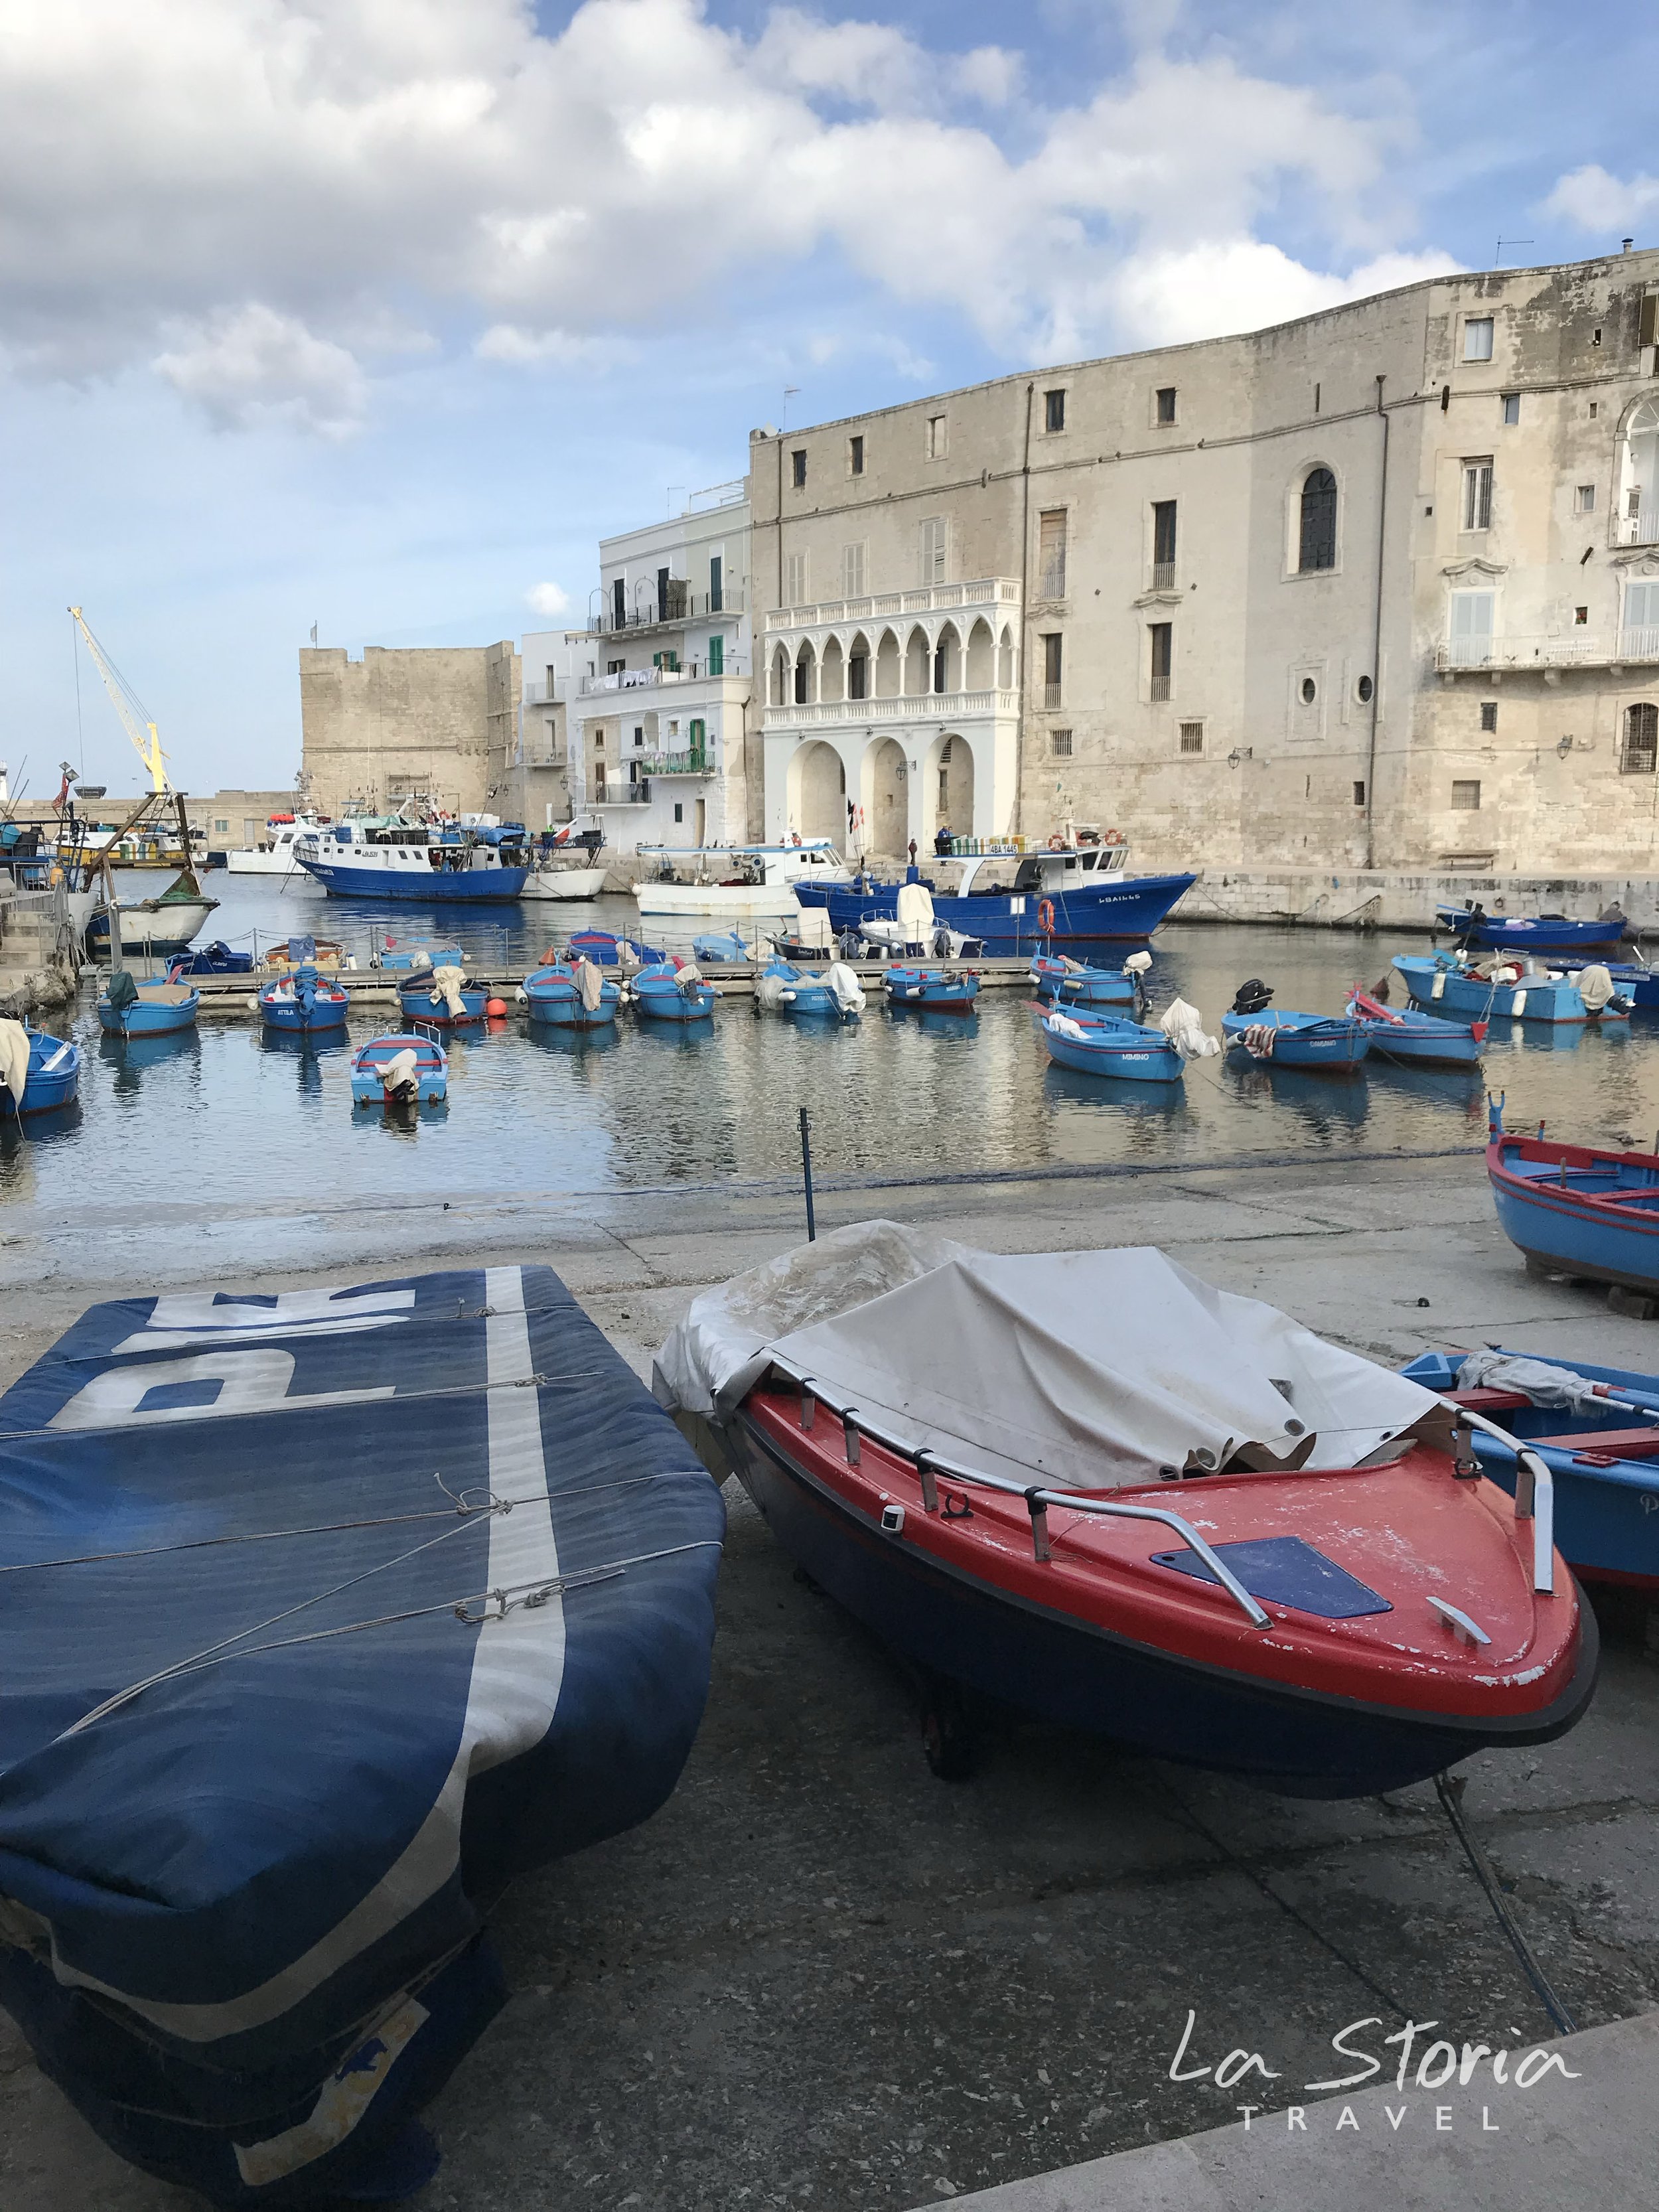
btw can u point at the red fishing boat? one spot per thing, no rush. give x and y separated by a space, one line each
1087 1484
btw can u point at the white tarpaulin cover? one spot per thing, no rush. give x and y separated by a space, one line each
1083 1370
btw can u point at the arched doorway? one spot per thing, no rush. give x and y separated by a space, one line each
818 793
886 799
951 785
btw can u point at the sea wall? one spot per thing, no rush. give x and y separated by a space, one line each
40 959
1358 899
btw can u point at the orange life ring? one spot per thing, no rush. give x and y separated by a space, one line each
1056 843
1046 917
1113 837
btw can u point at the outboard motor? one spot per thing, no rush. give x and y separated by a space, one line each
1253 996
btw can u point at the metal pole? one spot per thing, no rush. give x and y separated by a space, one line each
806 1173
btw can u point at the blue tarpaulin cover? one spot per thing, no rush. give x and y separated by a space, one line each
322 1615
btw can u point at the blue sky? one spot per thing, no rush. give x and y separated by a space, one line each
376 313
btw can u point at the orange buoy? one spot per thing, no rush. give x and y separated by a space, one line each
496 1008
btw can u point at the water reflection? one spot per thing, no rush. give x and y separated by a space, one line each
130 1058
1323 1105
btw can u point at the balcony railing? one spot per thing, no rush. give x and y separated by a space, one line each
1164 575
912 707
695 761
1640 529
1159 689
680 604
982 591
620 794
646 679
1585 650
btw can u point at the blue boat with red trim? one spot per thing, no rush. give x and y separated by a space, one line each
1577 1209
53 1078
931 990
303 1001
1426 1040
1105 1044
1075 983
673 991
1543 933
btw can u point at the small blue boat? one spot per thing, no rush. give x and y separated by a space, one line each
934 990
1333 1044
214 959
425 1083
1542 934
424 1002
1639 985
1574 1209
670 992
554 994
783 988
400 953
1426 1039
53 1078
716 950
606 950
1073 984
1437 980
128 1007
303 1001
1599 1442
1104 1044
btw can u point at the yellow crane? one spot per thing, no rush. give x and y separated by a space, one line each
135 717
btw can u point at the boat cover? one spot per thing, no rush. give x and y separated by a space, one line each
324 1614
1082 1369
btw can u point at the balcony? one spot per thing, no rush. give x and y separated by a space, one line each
620 794
679 605
1583 649
878 606
695 761
908 706
1164 575
1639 529
651 679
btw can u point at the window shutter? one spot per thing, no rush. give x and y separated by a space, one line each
932 551
1051 554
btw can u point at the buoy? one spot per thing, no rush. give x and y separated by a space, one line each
495 1008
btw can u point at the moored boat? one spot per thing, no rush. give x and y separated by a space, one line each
444 996
303 1000
1428 1039
369 1627
273 855
570 996
1597 1430
216 959
746 882
1577 1209
166 924
931 990
1329 1044
606 949
1088 1484
129 1007
429 863
396 1069
405 957
1105 1044
1507 991
50 1075
783 988
1541 934
673 991
1075 983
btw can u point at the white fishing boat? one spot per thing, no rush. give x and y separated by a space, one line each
568 865
744 881
274 854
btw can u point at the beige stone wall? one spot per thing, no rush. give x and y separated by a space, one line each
1362 771
438 720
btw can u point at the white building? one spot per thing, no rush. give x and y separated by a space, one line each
658 712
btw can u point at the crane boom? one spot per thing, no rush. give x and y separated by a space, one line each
134 719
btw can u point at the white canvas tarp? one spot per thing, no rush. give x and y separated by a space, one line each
1081 1369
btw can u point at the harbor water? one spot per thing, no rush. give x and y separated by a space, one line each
532 1110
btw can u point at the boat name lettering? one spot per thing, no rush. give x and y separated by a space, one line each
1437 2063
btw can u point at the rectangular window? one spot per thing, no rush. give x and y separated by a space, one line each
1053 411
797 468
1477 338
1580 616
1489 714
794 580
1162 637
858 673
1192 736
717 654
618 602
1164 544
934 544
1477 494
1052 666
662 595
852 571
856 456
716 582
615 667
1466 795
1640 637
1511 409
1471 629
1358 794
1641 745
679 810
1059 744
1583 499
1051 554
1164 399
938 436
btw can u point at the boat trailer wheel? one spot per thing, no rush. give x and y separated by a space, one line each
947 1738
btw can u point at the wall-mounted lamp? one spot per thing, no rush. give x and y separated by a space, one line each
1563 746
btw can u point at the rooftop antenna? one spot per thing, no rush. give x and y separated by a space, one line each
790 392
672 489
1502 242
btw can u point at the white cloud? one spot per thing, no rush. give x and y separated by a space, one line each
1595 201
549 600
1243 284
257 189
249 366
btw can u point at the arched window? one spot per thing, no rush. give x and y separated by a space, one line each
1317 544
1637 516
1641 749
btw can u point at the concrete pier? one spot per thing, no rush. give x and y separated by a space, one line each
821 1977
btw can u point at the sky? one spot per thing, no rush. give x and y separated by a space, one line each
378 313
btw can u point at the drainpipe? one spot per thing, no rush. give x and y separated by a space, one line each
1025 614
1376 640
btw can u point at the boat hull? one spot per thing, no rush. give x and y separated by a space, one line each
1118 910
1329 1047
420 887
563 883
294 1018
1542 936
1535 998
1559 1224
158 925
53 1078
1299 1743
1094 987
431 1071
741 902
420 1005
665 1001
147 1019
930 990
1449 1044
1143 1058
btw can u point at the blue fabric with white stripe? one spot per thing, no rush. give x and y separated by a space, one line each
365 1602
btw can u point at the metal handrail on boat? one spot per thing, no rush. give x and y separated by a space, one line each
929 1465
1534 1495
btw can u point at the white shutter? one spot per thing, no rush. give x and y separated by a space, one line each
851 572
1642 620
1471 628
932 551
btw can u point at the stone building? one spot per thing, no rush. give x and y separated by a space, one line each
1378 587
434 723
